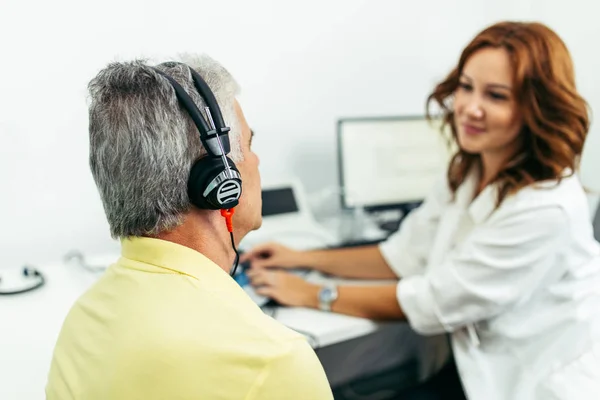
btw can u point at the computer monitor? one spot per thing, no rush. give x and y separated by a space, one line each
387 162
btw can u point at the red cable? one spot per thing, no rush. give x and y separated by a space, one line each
227 214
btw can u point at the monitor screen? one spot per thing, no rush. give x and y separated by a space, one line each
278 201
389 161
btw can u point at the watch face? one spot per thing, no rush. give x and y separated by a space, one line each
326 294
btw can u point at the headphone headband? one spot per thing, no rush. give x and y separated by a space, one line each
215 129
215 182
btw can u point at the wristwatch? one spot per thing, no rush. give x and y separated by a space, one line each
327 295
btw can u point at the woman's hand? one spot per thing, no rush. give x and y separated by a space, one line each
271 255
285 288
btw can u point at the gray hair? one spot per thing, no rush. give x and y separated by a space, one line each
143 143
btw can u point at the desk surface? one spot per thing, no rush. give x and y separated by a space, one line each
328 328
32 321
30 326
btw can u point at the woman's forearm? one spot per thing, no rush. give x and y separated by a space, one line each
373 302
359 262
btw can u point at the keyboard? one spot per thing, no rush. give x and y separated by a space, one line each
357 243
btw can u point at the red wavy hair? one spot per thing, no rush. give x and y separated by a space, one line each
555 116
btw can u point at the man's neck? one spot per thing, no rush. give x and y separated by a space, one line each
205 233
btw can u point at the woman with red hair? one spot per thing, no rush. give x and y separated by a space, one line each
501 254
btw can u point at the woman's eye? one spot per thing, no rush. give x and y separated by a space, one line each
498 96
465 86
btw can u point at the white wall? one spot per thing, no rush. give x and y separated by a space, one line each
301 66
576 21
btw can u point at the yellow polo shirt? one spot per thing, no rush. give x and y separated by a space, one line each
165 322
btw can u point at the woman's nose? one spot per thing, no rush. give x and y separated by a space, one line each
474 109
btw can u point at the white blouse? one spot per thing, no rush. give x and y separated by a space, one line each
518 287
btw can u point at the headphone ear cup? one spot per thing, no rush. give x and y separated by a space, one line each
224 195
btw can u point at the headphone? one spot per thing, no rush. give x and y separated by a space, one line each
214 182
29 273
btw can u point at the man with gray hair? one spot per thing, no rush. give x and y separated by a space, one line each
166 321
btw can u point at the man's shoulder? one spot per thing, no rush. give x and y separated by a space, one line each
189 316
262 331
295 373
190 326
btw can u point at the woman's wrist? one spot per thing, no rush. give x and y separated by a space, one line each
311 295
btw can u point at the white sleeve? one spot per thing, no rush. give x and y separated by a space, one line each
499 263
406 251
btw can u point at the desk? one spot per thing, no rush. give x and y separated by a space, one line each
351 348
31 323
325 328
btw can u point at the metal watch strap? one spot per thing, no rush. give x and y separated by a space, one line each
325 305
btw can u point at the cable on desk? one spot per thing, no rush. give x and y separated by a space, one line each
77 256
29 272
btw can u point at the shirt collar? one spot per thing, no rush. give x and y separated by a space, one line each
484 205
480 208
170 257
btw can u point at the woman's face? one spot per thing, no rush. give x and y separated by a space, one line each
485 110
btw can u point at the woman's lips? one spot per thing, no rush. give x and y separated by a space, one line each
472 130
